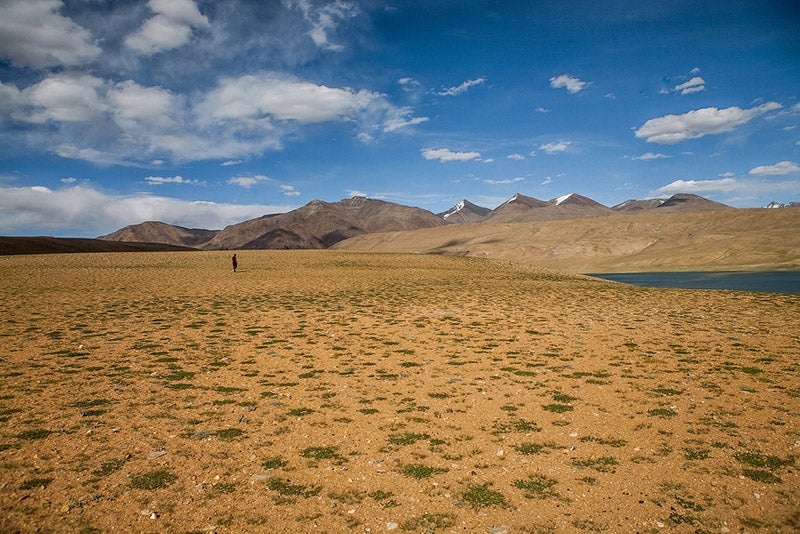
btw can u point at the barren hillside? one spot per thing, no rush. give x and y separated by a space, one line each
744 239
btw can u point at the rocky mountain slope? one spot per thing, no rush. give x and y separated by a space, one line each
321 224
159 232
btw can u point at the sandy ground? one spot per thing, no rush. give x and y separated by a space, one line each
335 392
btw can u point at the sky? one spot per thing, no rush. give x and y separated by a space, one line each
205 113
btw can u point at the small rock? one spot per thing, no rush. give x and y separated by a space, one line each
499 530
156 454
391 525
500 453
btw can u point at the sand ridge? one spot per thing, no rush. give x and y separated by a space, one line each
322 391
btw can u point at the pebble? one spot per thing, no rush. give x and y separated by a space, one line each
156 454
499 530
391 525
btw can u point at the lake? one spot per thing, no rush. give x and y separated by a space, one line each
770 281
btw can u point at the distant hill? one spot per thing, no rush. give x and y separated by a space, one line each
61 245
159 232
656 240
321 224
528 209
685 203
465 212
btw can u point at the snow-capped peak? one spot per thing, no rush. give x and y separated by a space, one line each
458 207
559 200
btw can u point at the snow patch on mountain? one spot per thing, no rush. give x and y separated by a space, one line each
559 200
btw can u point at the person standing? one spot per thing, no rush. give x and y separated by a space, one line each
235 262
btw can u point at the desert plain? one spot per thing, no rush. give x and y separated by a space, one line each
327 391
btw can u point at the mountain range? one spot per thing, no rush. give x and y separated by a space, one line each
320 225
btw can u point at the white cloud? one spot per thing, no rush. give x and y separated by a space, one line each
402 120
248 181
648 156
458 89
231 162
779 169
67 97
542 110
171 27
445 155
730 185
255 97
289 191
570 83
409 84
547 181
516 157
132 103
161 180
504 182
695 85
82 210
33 34
671 129
698 186
324 20
557 146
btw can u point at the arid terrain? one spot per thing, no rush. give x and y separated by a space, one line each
732 240
326 391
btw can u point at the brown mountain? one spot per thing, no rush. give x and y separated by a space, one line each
633 205
159 232
689 203
465 212
527 209
321 224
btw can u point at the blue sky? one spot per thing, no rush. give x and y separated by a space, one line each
205 113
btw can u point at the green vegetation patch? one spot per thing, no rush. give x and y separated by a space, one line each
421 471
34 483
153 480
537 486
34 434
287 489
482 495
229 433
557 408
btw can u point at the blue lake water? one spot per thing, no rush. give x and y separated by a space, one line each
770 281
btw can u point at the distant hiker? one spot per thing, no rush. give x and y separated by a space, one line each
234 262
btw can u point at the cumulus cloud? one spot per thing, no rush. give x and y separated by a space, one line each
94 120
171 27
83 210
671 129
570 83
779 169
695 85
133 103
255 96
34 34
445 154
516 157
324 20
289 191
66 97
555 147
458 89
